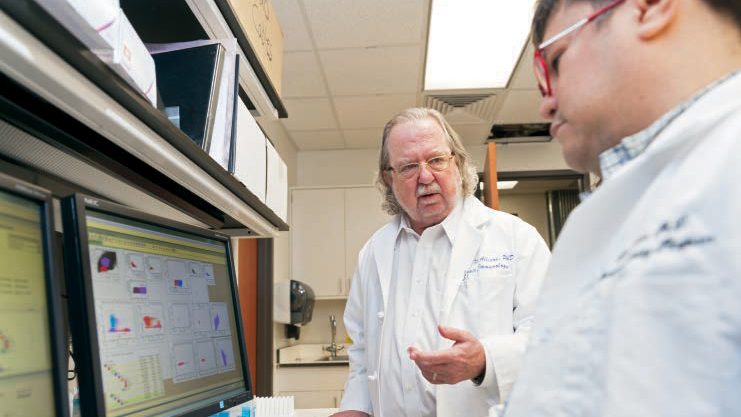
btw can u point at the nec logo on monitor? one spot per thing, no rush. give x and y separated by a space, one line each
92 202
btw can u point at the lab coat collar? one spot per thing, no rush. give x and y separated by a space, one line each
468 218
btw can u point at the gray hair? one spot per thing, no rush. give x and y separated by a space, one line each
469 176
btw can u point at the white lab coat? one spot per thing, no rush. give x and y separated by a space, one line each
641 311
503 260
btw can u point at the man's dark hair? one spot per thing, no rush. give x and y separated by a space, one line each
544 9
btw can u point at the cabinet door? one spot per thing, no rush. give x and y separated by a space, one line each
314 399
318 240
363 216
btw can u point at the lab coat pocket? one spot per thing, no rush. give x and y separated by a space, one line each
488 292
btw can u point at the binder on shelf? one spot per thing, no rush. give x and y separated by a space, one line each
198 84
189 79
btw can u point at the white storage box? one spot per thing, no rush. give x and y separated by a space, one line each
250 153
89 20
131 59
276 194
102 26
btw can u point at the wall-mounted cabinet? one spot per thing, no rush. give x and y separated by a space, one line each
68 117
329 227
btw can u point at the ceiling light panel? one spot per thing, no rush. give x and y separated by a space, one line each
475 44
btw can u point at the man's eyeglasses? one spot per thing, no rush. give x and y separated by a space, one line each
541 66
436 163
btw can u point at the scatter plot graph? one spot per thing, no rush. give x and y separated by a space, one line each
135 263
183 359
177 277
208 274
153 267
151 319
118 321
107 261
206 357
224 354
180 316
220 319
202 319
138 289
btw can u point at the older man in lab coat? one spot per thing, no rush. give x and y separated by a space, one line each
441 303
641 311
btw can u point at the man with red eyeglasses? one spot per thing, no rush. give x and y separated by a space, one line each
640 313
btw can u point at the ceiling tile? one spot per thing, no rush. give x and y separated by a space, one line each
361 23
363 138
520 106
370 111
292 23
317 139
473 134
309 114
524 76
362 71
302 76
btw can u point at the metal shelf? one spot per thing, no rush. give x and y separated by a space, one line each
117 128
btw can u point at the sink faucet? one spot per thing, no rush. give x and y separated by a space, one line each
333 348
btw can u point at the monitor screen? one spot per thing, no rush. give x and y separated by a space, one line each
165 332
31 345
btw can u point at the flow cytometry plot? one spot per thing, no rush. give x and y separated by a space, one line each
220 319
194 269
130 378
104 263
153 267
138 289
107 261
135 263
202 319
178 280
206 357
180 317
224 354
183 362
117 321
208 274
151 319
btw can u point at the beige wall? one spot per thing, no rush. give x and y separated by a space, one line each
530 208
358 166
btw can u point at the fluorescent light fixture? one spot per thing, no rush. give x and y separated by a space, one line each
475 43
506 185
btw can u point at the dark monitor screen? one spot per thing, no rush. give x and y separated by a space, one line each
31 341
162 324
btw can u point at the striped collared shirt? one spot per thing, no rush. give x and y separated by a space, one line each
630 147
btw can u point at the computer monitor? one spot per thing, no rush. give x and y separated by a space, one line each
32 343
154 314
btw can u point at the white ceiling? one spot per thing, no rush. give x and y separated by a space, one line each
349 65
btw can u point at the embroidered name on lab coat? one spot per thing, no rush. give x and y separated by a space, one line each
675 235
484 263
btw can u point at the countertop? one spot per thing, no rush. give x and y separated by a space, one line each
311 355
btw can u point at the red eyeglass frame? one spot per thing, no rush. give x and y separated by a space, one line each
541 66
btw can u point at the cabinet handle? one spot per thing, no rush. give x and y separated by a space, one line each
335 401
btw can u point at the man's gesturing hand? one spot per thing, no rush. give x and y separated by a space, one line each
464 360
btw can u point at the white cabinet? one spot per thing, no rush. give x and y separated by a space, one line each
363 216
329 227
313 386
317 240
314 399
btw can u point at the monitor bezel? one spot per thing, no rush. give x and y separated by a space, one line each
58 348
82 307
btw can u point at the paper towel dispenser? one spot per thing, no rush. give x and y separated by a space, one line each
293 304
